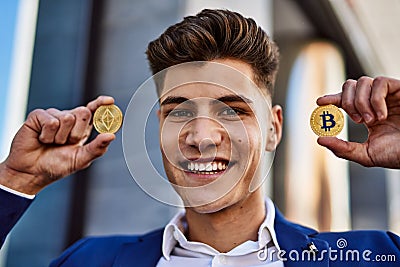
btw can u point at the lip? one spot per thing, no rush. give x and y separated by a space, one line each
205 177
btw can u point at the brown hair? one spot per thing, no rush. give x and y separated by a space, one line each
217 34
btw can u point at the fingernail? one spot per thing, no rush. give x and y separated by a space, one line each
367 117
105 143
380 115
356 117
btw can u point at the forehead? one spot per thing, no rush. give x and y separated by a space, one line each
212 79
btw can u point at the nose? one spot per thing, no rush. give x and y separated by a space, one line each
204 133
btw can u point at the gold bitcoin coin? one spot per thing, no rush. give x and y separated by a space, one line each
107 119
327 120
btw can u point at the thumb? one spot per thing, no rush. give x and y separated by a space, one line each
347 150
91 151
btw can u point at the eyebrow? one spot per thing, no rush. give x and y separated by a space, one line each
224 99
233 98
176 100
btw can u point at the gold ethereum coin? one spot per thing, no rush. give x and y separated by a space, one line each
327 120
107 119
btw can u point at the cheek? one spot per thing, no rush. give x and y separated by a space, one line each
236 132
169 140
246 138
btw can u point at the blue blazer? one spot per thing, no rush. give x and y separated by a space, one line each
360 248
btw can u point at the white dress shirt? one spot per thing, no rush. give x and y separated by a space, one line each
12 191
179 252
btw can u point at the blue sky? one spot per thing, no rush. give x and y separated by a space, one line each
8 12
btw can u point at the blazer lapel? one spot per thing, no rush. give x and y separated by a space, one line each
297 244
295 241
145 252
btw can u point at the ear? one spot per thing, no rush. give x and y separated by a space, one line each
274 131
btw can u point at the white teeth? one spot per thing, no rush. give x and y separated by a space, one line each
214 166
206 168
209 167
202 167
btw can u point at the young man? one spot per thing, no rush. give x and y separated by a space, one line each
217 126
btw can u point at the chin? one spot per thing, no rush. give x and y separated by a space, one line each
217 205
209 208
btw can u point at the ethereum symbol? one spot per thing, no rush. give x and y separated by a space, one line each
107 119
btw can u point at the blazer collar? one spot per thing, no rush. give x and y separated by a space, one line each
296 240
145 251
293 239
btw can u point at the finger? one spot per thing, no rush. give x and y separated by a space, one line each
44 124
380 90
348 98
363 99
66 122
335 99
101 100
81 130
347 150
392 84
91 151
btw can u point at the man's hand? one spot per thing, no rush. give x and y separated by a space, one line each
376 104
51 145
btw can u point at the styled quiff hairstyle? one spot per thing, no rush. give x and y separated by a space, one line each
217 34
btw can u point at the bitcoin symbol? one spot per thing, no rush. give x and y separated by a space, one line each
331 121
327 120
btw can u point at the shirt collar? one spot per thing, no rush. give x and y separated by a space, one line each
174 233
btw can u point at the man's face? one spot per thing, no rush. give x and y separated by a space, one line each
214 133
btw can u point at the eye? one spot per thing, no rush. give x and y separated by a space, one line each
181 113
230 112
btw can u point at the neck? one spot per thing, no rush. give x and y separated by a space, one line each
225 229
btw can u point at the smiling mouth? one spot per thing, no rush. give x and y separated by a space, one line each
206 168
